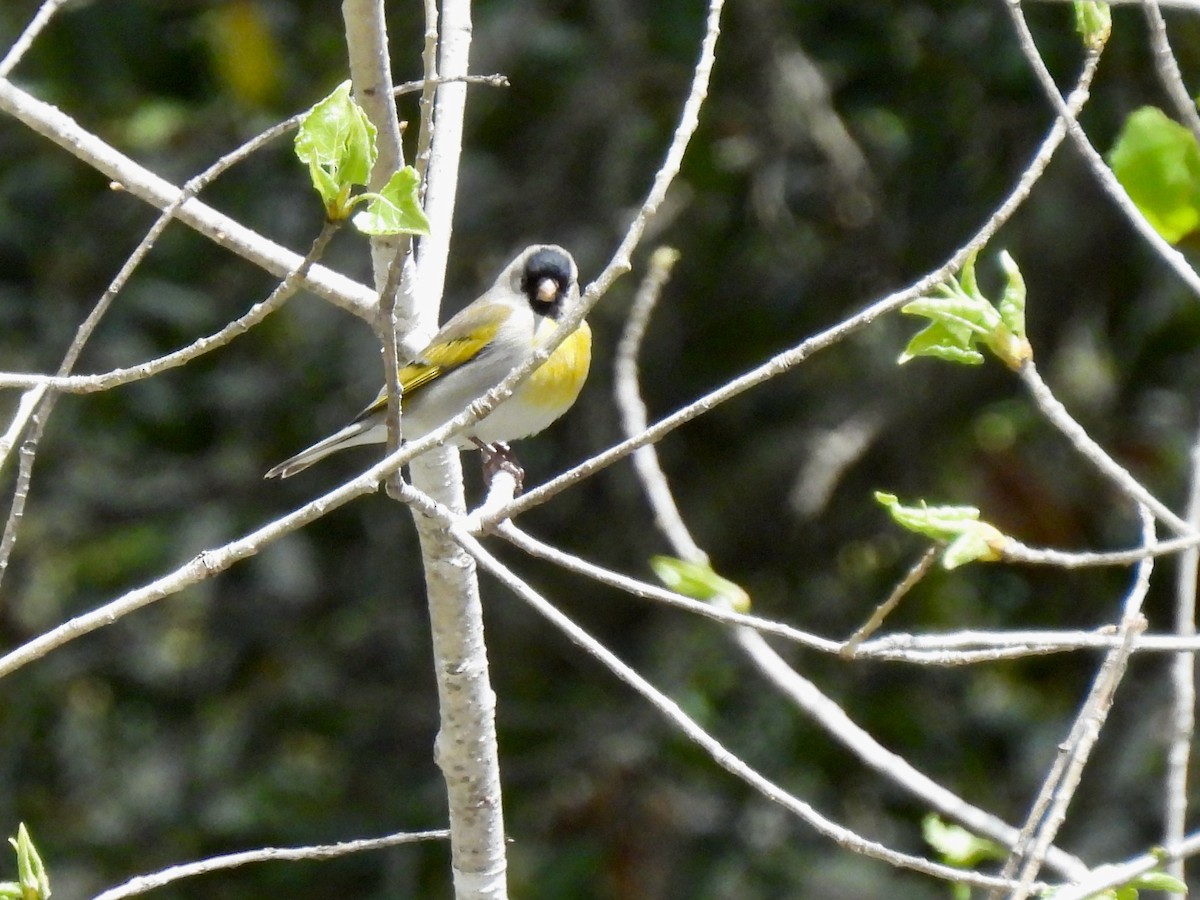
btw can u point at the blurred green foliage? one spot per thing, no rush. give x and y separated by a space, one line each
844 150
1158 162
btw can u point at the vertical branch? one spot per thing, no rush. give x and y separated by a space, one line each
428 88
1183 675
371 77
445 148
466 748
633 410
466 744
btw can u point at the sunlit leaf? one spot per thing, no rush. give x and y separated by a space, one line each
33 881
699 582
1012 303
1159 881
336 141
962 318
943 340
396 209
976 542
968 539
1157 161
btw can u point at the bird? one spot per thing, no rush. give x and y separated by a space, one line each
471 354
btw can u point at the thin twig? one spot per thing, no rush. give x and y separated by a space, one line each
145 883
285 290
425 104
1016 552
733 764
1167 67
1050 807
25 407
884 609
1052 409
633 409
144 184
371 76
792 357
899 646
830 716
689 118
1106 878
1100 171
636 588
25 40
959 648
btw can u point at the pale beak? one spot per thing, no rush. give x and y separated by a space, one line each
547 290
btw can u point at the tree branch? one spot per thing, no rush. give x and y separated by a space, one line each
139 181
790 358
143 884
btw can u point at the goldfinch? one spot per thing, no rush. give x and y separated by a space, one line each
472 353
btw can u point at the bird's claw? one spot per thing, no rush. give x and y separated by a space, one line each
497 458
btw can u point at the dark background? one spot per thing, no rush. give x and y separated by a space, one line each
291 700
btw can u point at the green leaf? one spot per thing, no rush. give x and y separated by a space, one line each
699 582
1159 881
336 141
967 538
942 523
957 846
33 881
1093 21
943 340
975 315
961 318
975 543
10 890
966 278
396 209
1012 303
1157 161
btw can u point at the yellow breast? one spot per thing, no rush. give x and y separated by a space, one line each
557 382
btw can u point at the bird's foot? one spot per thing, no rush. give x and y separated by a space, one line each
497 458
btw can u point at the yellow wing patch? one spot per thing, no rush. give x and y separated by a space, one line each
451 348
444 355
